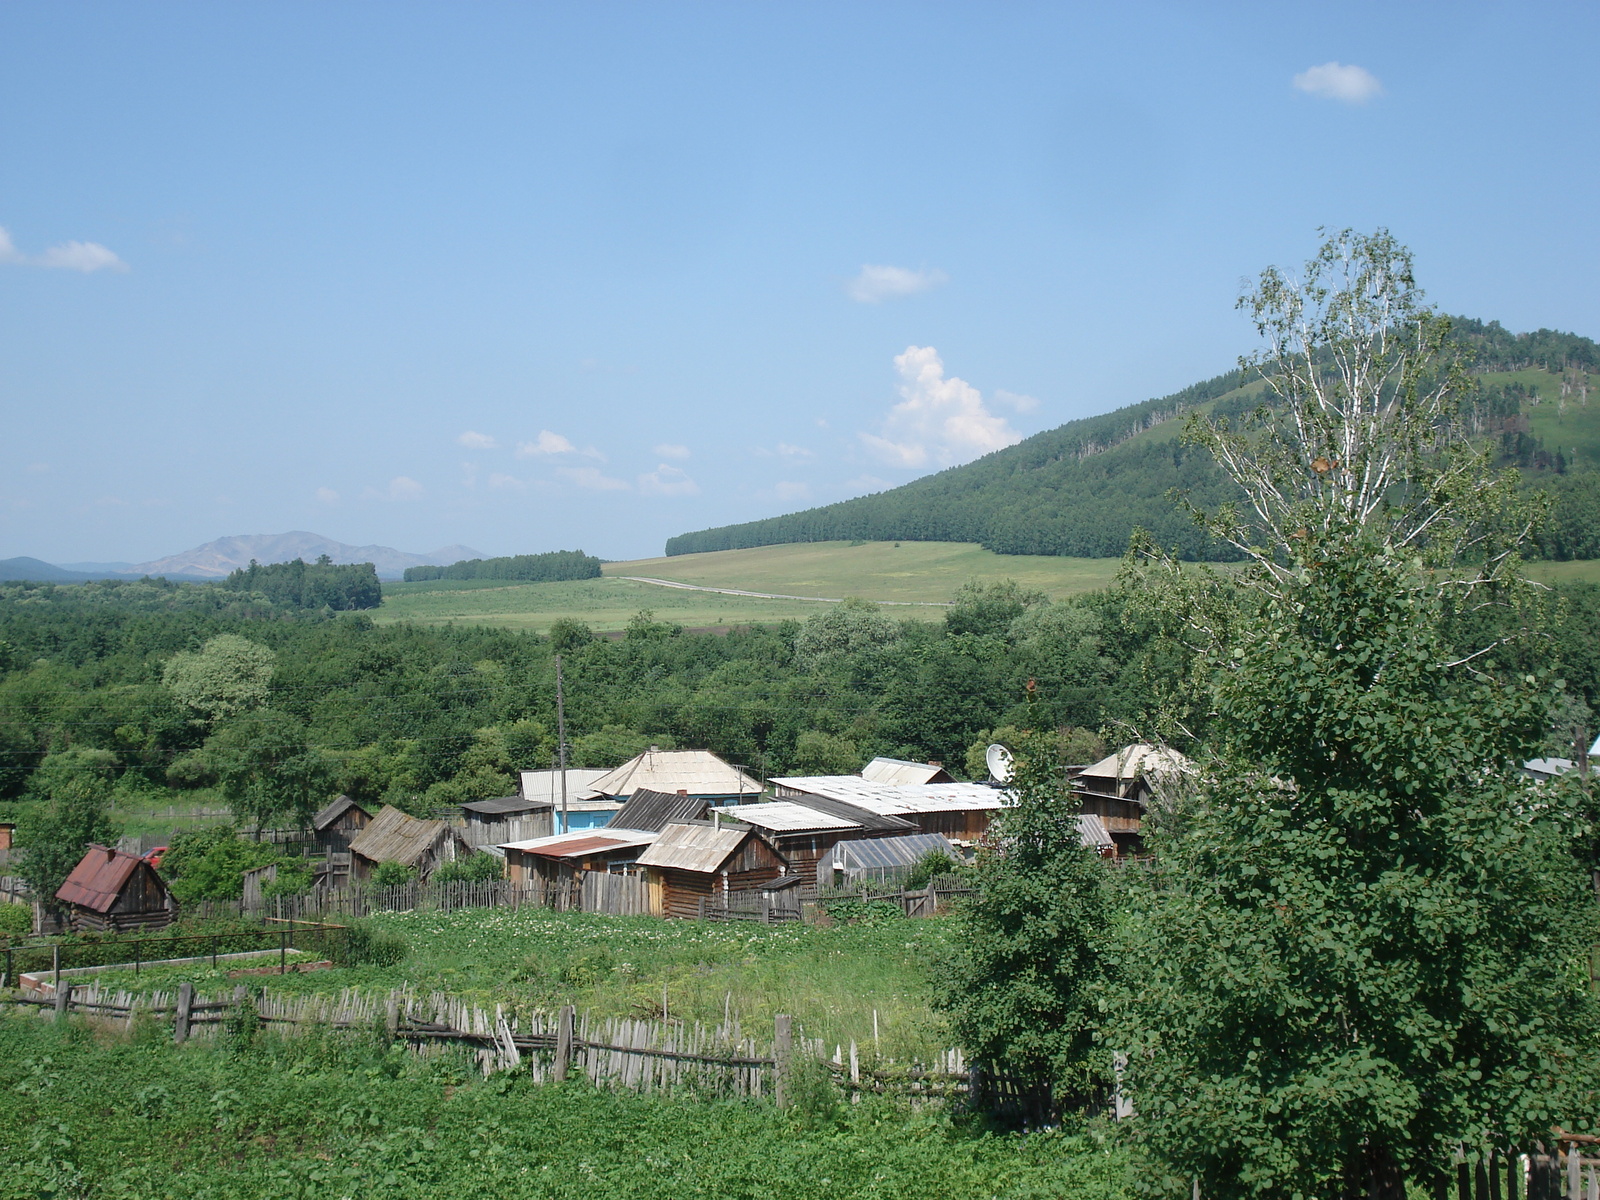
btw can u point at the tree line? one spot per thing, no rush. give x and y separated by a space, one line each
550 567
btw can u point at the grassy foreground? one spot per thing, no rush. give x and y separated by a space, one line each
832 980
99 1114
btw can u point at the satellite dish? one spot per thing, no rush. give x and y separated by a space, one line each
1000 766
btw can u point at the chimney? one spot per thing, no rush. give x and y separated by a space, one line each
111 853
683 791
934 762
716 819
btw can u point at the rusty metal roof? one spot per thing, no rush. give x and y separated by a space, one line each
586 841
100 876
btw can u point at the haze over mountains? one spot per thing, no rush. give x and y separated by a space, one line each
218 558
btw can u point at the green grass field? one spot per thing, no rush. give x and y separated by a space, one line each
911 573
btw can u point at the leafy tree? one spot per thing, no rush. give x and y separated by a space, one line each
53 835
990 608
818 753
569 636
850 630
267 770
209 864
229 675
613 745
1031 961
1066 746
1366 945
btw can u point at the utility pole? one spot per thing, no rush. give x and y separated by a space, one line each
561 743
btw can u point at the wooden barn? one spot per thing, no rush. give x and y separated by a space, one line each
691 864
113 890
395 837
508 819
337 823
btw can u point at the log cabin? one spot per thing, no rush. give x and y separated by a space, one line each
113 890
690 865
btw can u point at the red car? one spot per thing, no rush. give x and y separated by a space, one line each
155 856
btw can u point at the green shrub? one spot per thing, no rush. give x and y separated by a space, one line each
367 945
16 918
476 868
392 874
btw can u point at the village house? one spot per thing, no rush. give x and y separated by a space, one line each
1118 789
585 807
558 863
804 834
697 773
113 890
338 822
395 837
690 865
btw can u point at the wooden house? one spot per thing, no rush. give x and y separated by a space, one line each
805 833
337 823
691 864
113 890
558 863
393 836
1118 789
509 819
585 807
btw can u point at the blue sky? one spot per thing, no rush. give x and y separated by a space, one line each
529 277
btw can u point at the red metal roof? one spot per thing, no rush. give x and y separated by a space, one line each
581 845
99 878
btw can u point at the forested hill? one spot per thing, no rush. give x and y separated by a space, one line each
1082 488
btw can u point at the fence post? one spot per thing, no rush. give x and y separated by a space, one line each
63 999
391 1019
55 965
180 1026
138 953
782 1050
283 951
558 1069
214 938
1574 1184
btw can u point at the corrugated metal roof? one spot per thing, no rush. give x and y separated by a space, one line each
392 836
98 879
1133 761
890 800
333 811
872 822
694 847
785 816
546 785
877 853
646 809
698 772
506 804
558 845
898 771
1092 832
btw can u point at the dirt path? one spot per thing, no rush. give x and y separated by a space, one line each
693 587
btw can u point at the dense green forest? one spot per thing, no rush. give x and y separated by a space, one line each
551 567
167 689
1083 488
322 584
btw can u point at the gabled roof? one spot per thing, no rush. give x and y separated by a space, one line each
899 771
546 785
695 847
98 879
891 800
582 842
392 836
506 804
1133 761
333 810
698 772
786 816
646 809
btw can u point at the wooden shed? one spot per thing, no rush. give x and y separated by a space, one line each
803 834
1118 788
113 890
395 837
508 819
691 864
337 824
559 862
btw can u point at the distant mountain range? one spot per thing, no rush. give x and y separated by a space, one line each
214 560
1081 489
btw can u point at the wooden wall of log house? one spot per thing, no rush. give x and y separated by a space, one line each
960 825
804 850
335 839
141 904
681 891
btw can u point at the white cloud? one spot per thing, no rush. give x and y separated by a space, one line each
327 495
68 256
474 440
667 481
1335 81
1016 400
401 487
788 451
506 483
790 490
867 483
874 284
938 420
545 443
671 450
591 479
